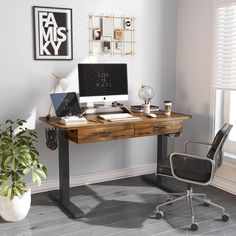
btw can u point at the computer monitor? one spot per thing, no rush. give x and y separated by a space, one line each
65 104
102 82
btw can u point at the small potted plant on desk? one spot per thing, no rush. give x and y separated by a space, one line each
18 157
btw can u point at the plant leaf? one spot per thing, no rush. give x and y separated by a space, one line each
3 181
42 173
9 122
35 152
6 162
10 194
22 161
20 190
26 170
34 178
17 192
39 180
4 191
26 155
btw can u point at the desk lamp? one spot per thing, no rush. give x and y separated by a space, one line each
58 79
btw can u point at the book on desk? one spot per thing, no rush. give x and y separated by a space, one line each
73 120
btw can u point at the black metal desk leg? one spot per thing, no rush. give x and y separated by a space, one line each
62 196
154 179
161 147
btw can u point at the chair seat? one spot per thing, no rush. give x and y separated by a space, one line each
194 170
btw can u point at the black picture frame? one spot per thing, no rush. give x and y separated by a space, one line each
52 33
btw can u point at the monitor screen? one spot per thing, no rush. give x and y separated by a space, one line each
103 82
65 104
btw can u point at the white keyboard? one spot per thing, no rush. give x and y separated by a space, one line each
106 110
119 117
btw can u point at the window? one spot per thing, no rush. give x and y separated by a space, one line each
225 111
224 68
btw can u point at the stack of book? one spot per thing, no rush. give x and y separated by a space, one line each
73 120
140 108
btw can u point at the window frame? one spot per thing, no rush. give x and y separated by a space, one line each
222 104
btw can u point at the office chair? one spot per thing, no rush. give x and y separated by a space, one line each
193 169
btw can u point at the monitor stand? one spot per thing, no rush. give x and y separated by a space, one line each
105 108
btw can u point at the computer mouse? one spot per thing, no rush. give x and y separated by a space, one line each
151 115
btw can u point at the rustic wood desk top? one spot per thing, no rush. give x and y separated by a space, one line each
100 130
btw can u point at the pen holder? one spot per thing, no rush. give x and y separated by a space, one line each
146 108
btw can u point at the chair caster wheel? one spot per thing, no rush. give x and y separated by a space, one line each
225 217
194 226
206 204
159 214
168 204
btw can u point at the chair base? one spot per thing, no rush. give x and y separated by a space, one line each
189 196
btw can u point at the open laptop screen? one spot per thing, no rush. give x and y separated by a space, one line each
65 104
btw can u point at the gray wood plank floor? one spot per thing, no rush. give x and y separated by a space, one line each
124 208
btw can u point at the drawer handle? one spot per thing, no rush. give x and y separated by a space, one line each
104 132
158 126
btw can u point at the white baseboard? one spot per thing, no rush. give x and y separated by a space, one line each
224 184
104 176
78 180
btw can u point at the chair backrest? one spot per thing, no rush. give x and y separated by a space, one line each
216 153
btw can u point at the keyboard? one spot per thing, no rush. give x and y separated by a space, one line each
97 110
119 117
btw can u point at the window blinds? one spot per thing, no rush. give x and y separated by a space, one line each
224 45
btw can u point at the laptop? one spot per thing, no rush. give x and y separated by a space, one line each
65 104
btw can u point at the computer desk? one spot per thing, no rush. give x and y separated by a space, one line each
99 130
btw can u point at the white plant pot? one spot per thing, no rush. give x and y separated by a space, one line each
17 208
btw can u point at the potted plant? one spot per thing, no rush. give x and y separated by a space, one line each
18 157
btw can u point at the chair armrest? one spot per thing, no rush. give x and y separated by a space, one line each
187 159
194 142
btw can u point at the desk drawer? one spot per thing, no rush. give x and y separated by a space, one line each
158 128
101 133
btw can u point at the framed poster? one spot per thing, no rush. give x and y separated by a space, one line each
52 33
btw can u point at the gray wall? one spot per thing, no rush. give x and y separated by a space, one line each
193 67
26 83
